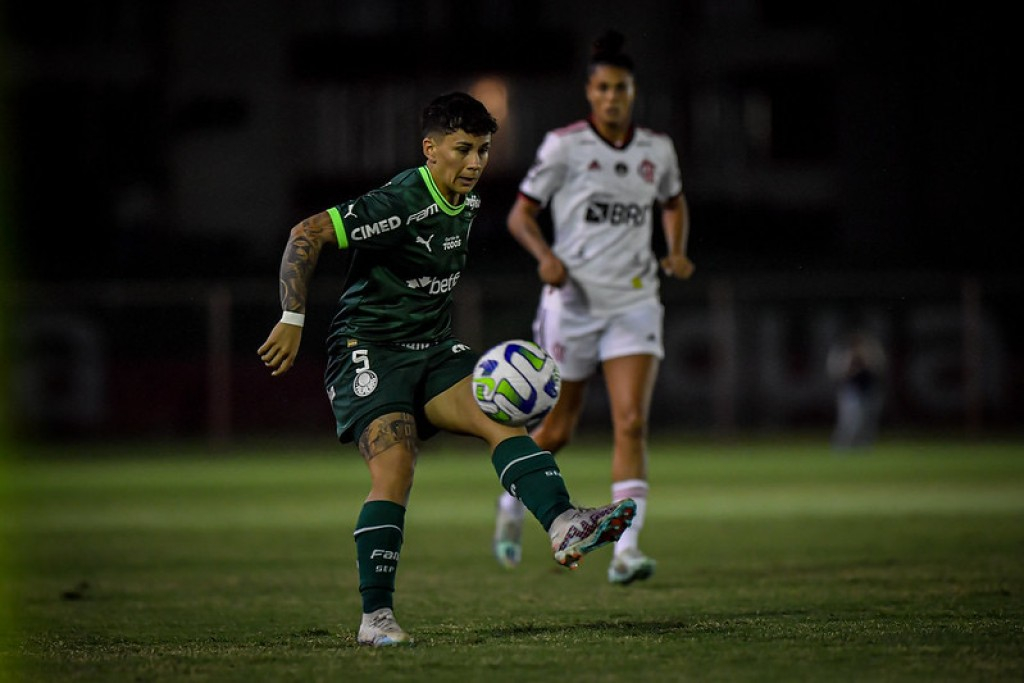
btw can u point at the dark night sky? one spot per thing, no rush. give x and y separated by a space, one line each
922 125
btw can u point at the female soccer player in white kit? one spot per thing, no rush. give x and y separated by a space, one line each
601 178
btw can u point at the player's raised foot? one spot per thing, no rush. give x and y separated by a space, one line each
629 566
577 531
508 531
380 629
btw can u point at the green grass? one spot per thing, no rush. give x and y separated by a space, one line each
778 561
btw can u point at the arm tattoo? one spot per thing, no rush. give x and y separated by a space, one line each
298 264
382 434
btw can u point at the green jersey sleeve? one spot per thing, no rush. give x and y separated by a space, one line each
370 221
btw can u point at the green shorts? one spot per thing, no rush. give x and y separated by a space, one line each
369 379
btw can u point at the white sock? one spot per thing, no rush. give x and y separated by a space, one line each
637 490
511 505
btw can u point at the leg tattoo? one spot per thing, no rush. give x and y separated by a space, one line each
387 432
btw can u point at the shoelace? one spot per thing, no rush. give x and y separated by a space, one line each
385 622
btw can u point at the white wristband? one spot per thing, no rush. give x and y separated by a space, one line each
293 318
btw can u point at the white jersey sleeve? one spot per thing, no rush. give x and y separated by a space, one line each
547 174
670 183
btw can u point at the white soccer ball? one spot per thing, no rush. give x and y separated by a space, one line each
516 382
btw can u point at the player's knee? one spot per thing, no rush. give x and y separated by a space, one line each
552 436
630 426
393 482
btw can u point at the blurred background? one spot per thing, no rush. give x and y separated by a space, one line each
849 166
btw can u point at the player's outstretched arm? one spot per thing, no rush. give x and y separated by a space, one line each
305 242
522 223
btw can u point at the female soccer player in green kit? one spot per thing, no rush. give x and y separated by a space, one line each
395 373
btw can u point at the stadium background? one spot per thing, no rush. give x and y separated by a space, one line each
846 164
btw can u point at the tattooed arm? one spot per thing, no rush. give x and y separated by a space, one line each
301 253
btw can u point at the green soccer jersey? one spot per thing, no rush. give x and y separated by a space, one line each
409 248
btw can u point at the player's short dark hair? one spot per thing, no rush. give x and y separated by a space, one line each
607 50
457 111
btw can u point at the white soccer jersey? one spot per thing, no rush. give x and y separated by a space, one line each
602 199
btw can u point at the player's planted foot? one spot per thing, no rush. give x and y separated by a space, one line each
380 629
629 566
508 531
577 531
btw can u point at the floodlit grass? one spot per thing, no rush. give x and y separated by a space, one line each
778 561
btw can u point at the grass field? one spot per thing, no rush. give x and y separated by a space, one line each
778 561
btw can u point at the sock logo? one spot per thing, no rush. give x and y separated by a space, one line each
512 491
384 554
552 473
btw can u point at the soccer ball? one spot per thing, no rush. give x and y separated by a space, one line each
516 383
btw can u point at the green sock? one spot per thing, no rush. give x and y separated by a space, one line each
378 542
529 473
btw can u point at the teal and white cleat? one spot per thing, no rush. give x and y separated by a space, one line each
629 566
380 629
578 531
508 532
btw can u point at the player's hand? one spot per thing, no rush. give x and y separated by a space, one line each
678 266
551 271
279 351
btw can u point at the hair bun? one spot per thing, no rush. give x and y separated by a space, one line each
610 43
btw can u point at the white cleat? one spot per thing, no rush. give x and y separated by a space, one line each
577 531
629 566
508 532
380 629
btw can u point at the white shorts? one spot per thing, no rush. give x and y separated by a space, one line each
579 339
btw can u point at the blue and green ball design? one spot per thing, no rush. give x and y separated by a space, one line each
516 382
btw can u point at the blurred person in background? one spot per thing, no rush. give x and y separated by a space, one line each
857 364
395 372
600 309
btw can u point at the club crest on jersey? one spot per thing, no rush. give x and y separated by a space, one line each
364 383
646 170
